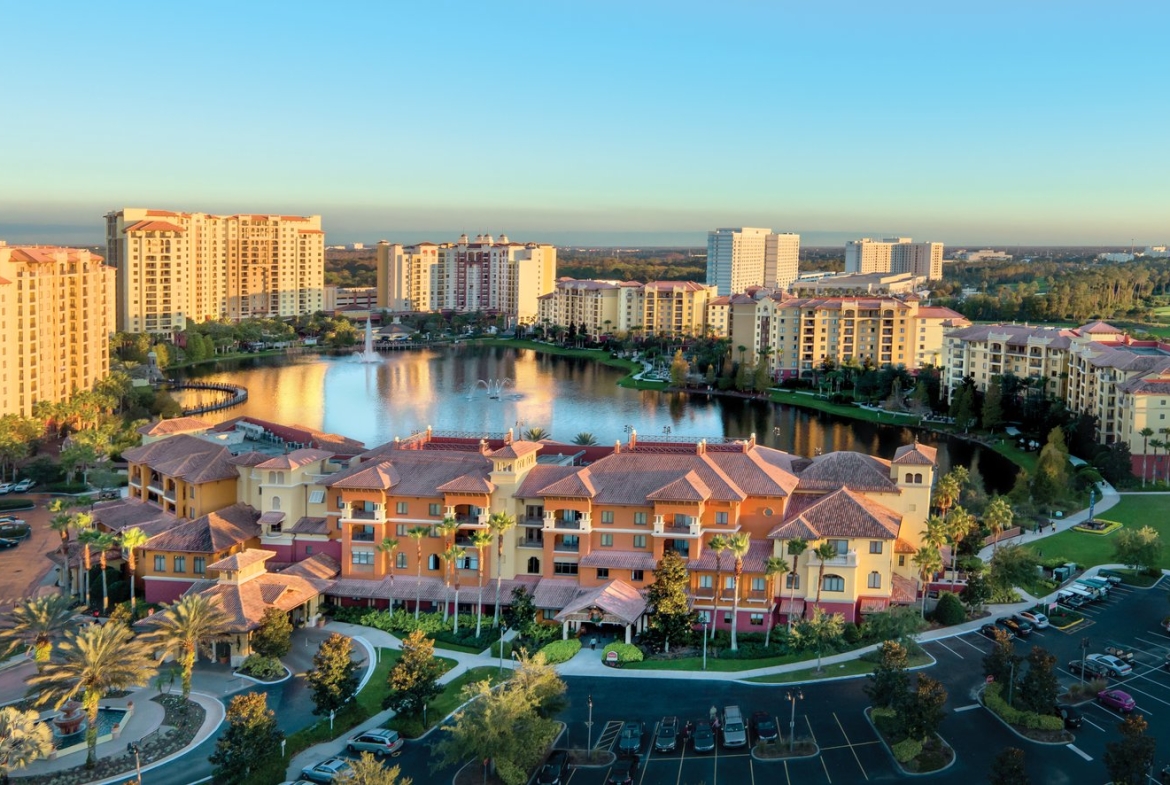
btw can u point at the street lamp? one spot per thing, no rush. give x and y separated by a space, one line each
134 750
1084 652
793 696
704 643
503 629
589 727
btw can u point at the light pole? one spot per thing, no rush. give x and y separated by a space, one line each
1084 652
133 748
503 628
589 727
704 643
793 696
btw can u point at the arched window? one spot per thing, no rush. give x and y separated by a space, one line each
875 580
276 503
918 478
280 478
833 583
533 566
271 478
432 562
909 477
792 580
401 559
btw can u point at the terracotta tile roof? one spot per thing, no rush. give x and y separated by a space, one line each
271 518
1015 334
380 476
45 254
761 471
939 312
847 469
554 593
212 533
516 449
401 588
117 516
1150 384
1099 328
540 476
246 602
468 483
299 434
319 565
842 513
916 455
578 484
901 546
619 560
309 525
416 472
904 591
616 598
689 286
186 457
250 458
242 559
754 561
154 226
295 459
873 604
175 425
688 488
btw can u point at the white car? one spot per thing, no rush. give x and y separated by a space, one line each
1037 619
5 487
1111 664
24 485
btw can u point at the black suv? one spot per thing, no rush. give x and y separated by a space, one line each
1018 626
1071 716
555 768
764 726
666 740
1091 668
623 770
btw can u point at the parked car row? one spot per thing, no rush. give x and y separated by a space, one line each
379 741
17 487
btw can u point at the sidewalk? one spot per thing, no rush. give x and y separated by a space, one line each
1109 497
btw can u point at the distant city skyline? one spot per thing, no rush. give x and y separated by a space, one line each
602 124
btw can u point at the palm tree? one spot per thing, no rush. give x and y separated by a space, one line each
796 546
184 628
37 623
1145 433
88 538
62 522
103 542
132 540
718 545
928 561
1157 444
447 528
535 434
1165 432
23 739
584 438
499 523
999 518
959 524
824 552
94 661
480 539
772 567
451 558
387 546
946 493
739 545
417 533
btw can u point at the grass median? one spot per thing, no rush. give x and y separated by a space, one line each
1088 550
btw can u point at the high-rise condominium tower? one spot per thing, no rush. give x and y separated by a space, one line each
174 267
894 255
743 257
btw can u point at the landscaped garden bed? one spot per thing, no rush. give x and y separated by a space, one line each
1041 728
782 750
1098 527
912 755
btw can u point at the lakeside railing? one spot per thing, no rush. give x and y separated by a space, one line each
234 395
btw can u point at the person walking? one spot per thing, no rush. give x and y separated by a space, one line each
593 643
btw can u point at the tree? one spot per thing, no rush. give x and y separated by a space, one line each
1051 480
93 662
414 678
739 545
103 541
78 456
1039 686
946 493
679 368
585 439
131 540
1141 548
922 710
718 544
499 523
671 619
334 677
1128 760
993 404
183 629
451 558
23 739
824 552
36 624
820 630
481 539
1002 662
520 614
273 638
535 434
1012 566
795 547
368 770
417 533
998 517
772 567
976 592
1008 768
62 522
1146 433
388 546
889 679
251 739
447 529
960 524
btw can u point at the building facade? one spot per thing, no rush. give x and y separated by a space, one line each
56 318
178 267
894 255
738 258
673 308
480 274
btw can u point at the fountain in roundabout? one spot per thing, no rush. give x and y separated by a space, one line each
494 387
368 355
69 720
69 726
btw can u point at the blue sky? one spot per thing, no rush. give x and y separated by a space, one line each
594 123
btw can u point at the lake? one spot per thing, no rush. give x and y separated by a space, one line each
412 389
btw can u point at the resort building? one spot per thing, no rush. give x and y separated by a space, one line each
469 275
56 318
738 258
860 284
177 267
668 308
894 255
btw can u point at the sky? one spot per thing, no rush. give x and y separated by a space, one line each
633 123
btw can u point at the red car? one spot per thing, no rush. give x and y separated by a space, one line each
1116 700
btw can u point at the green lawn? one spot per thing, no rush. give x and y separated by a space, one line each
856 667
1090 549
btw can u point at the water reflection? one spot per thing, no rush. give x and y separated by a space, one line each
565 396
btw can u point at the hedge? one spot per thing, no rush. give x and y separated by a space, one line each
1013 716
626 652
949 610
266 668
560 651
907 750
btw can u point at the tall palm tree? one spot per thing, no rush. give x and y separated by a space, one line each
451 558
535 434
1145 433
93 662
739 545
946 493
772 567
88 538
103 542
1157 444
387 546
796 546
499 523
959 524
718 544
928 561
183 629
23 739
999 517
36 624
824 552
480 539
1165 433
448 527
62 523
935 533
417 533
132 540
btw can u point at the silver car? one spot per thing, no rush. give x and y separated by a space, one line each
380 741
330 770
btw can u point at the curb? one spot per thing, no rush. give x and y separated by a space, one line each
906 772
1012 728
784 758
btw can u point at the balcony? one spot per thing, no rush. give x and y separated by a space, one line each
664 529
359 536
583 524
848 559
349 512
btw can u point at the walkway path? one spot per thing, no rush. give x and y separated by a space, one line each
1109 497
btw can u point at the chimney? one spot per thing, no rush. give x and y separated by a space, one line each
509 437
633 439
617 446
701 447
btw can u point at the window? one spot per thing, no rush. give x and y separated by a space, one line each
902 560
565 568
434 532
603 572
682 520
757 619
160 563
533 566
841 546
362 557
639 540
200 564
637 575
727 617
316 497
401 508
435 509
607 516
432 562
640 519
729 582
400 530
875 580
918 478
875 546
705 582
704 617
534 512
180 563
721 518
909 477
607 541
308 550
833 583
470 561
758 584
400 561
792 581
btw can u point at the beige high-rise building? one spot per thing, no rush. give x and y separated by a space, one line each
606 307
740 258
894 255
56 316
484 274
175 267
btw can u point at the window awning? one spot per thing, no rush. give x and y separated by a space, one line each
792 606
874 604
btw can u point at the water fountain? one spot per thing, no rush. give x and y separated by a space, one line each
368 355
494 387
69 720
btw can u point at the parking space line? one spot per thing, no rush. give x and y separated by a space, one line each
979 649
787 776
849 744
1152 643
1128 686
810 730
846 735
1080 752
948 648
825 766
1095 725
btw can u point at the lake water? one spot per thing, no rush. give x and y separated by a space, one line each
440 387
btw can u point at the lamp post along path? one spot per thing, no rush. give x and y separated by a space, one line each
589 727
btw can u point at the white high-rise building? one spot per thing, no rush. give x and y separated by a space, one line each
741 257
894 255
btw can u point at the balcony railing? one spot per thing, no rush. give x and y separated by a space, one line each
565 547
362 537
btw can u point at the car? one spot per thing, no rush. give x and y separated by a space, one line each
1166 624
989 630
734 731
1021 628
703 739
622 771
764 724
16 530
328 770
630 738
1070 600
1108 575
1111 665
1120 653
5 487
1070 714
666 739
379 741
1037 619
1091 668
10 519
555 769
6 543
1116 700
23 485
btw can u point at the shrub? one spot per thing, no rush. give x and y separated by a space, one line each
882 713
560 651
626 652
1043 722
993 699
262 667
852 634
949 610
907 750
